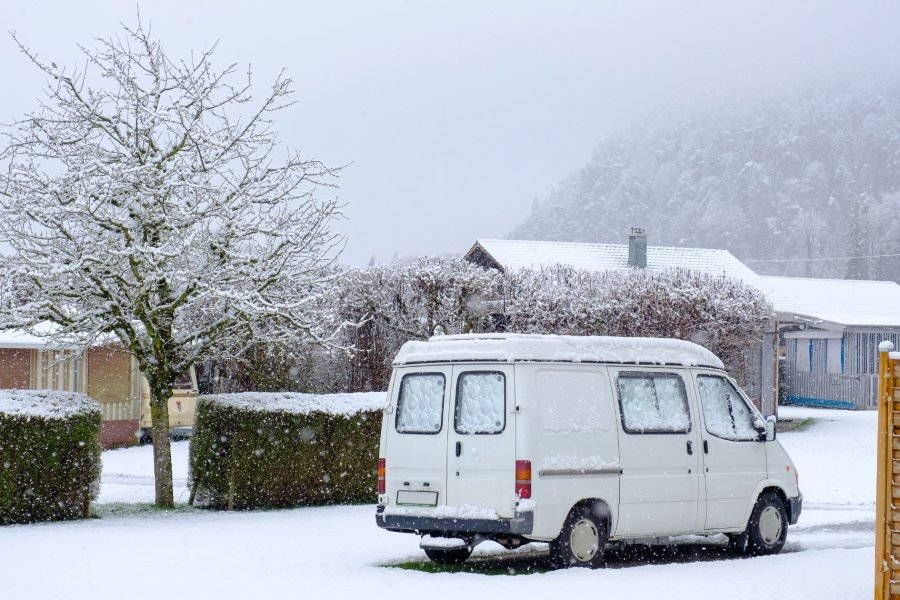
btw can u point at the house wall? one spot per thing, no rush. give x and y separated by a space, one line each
838 372
767 376
111 381
63 370
15 368
106 374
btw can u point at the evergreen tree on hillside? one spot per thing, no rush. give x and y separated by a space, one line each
804 175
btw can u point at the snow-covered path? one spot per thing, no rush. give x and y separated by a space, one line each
128 474
339 552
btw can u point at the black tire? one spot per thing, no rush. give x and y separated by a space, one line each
737 543
767 529
581 541
145 436
449 556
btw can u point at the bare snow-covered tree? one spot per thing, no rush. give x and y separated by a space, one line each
397 303
149 200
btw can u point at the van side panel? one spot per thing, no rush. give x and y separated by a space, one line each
661 484
567 429
385 424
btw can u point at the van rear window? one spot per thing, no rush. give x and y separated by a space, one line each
481 402
420 405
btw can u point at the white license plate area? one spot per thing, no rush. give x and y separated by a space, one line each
414 498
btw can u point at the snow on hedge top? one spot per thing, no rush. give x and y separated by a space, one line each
558 348
303 404
46 404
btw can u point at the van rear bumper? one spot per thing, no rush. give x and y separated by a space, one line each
522 523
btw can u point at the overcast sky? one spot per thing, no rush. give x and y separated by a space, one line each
454 116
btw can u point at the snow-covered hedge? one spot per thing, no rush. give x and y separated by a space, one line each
49 455
261 450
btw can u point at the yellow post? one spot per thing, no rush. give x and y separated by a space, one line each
885 483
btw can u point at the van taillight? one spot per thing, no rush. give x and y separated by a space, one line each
523 478
381 470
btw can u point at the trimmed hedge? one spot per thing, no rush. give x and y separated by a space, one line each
256 450
49 455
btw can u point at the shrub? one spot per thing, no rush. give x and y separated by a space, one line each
256 450
49 455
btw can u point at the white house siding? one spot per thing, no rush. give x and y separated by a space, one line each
855 386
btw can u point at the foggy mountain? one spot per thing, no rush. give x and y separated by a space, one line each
812 174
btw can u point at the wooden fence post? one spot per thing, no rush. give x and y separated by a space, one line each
887 546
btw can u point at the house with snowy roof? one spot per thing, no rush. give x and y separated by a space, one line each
828 336
822 346
106 372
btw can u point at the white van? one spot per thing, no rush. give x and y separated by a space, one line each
576 441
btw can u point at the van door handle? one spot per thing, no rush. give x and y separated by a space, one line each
705 447
458 448
690 447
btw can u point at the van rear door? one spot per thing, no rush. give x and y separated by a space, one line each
481 451
416 437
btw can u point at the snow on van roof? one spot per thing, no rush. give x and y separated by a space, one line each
556 348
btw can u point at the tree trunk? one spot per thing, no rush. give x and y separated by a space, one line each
162 449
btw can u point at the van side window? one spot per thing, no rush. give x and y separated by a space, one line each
420 405
480 402
724 411
653 403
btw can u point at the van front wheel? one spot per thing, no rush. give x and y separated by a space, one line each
581 541
767 530
448 556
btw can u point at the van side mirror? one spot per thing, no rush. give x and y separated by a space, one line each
770 428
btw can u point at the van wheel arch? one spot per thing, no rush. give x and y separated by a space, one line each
781 494
591 515
746 542
598 506
767 486
767 528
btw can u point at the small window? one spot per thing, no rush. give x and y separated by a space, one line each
725 413
480 403
653 403
834 355
803 349
420 406
184 381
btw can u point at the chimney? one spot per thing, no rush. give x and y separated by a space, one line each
637 248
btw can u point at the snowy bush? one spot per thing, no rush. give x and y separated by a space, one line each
384 307
49 455
257 450
398 303
725 315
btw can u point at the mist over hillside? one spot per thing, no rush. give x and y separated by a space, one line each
813 174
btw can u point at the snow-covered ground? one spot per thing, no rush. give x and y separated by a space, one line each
339 552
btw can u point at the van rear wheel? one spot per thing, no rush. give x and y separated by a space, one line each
581 541
767 529
448 556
